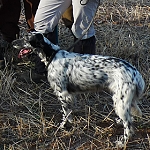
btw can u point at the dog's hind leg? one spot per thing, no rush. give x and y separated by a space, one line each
123 107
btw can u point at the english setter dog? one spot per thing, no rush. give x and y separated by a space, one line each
71 73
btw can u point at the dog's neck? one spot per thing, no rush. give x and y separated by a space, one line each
50 51
47 58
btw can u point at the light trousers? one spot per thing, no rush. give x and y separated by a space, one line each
49 13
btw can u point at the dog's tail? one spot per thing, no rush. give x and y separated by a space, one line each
140 85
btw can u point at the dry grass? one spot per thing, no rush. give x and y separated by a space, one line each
30 113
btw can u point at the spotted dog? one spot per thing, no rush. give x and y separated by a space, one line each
71 73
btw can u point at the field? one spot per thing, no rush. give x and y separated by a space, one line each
30 113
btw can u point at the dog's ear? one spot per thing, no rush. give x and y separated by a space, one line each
37 40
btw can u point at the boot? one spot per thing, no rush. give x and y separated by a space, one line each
52 36
86 46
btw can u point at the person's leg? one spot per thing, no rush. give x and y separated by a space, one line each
83 14
30 10
48 14
9 17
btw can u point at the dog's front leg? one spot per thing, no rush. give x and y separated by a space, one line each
66 104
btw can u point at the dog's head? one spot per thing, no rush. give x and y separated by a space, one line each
34 42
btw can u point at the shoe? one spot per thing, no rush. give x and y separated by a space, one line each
31 76
52 36
86 46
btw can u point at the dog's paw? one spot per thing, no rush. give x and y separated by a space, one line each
120 142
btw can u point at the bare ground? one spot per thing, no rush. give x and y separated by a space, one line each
30 113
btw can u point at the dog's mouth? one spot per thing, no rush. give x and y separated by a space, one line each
24 52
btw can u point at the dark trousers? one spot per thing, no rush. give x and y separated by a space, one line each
10 14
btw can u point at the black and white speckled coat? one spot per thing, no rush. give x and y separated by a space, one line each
72 73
